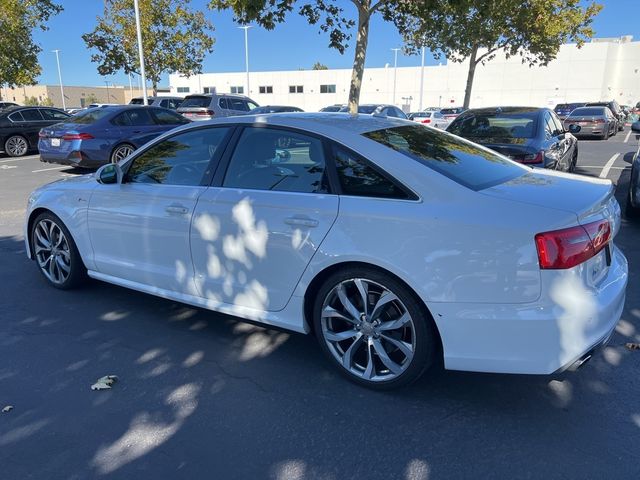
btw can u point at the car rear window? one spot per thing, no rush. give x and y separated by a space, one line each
89 116
136 101
587 111
196 102
449 111
463 162
496 125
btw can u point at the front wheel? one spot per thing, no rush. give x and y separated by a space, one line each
56 253
373 330
16 146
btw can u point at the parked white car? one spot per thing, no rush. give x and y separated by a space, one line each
431 118
393 243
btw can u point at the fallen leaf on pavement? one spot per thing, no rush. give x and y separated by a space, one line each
632 346
7 409
104 383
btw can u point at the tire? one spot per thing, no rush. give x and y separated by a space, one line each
16 146
121 151
605 135
63 268
376 350
574 162
631 212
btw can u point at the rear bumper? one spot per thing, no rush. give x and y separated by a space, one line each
538 338
71 153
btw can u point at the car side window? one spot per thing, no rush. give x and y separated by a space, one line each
400 113
223 103
390 112
140 117
278 160
358 178
173 104
16 117
251 105
549 127
32 115
164 103
238 104
122 120
50 114
165 117
559 129
179 160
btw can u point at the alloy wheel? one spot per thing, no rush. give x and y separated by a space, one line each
16 146
123 151
52 251
368 330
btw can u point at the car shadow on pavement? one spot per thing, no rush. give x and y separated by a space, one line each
203 394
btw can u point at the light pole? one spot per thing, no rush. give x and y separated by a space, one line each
106 82
395 69
64 106
145 100
421 78
246 52
130 87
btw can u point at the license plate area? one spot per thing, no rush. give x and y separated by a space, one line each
598 266
55 142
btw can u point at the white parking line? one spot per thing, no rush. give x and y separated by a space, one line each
11 160
47 169
607 167
626 139
599 167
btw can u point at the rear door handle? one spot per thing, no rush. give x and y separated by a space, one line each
176 208
301 221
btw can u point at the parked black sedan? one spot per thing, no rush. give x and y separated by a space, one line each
633 198
19 127
534 136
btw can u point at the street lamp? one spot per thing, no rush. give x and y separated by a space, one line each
246 52
64 106
106 82
145 100
395 68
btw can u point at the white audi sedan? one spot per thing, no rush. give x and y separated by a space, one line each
395 245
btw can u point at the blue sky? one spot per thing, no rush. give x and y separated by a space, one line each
292 45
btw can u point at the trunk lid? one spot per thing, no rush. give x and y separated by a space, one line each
589 199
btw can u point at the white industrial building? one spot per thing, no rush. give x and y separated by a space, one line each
601 70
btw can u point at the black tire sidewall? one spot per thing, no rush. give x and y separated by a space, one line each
426 344
78 270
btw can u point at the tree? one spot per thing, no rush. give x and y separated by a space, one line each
331 19
18 51
46 102
174 38
478 29
31 102
319 66
90 98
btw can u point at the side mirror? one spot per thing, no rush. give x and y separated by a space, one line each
635 127
573 128
110 173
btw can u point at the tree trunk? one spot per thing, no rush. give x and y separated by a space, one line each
155 89
472 71
364 14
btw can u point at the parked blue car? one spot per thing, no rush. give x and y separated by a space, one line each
106 134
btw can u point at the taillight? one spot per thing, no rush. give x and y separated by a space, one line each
209 113
41 134
77 136
569 247
426 120
533 157
598 120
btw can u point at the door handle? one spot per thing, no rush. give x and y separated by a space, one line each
301 221
176 208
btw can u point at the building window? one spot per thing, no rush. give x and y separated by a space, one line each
237 90
296 89
268 89
209 90
183 89
327 89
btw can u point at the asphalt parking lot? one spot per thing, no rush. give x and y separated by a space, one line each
201 395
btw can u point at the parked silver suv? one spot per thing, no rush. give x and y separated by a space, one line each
206 106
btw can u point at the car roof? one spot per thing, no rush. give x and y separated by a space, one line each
332 124
488 110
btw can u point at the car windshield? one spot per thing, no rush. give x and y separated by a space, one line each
196 102
449 111
496 125
587 111
368 109
468 164
89 116
139 101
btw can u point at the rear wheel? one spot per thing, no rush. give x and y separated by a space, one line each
121 152
372 329
56 253
16 146
630 211
605 135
